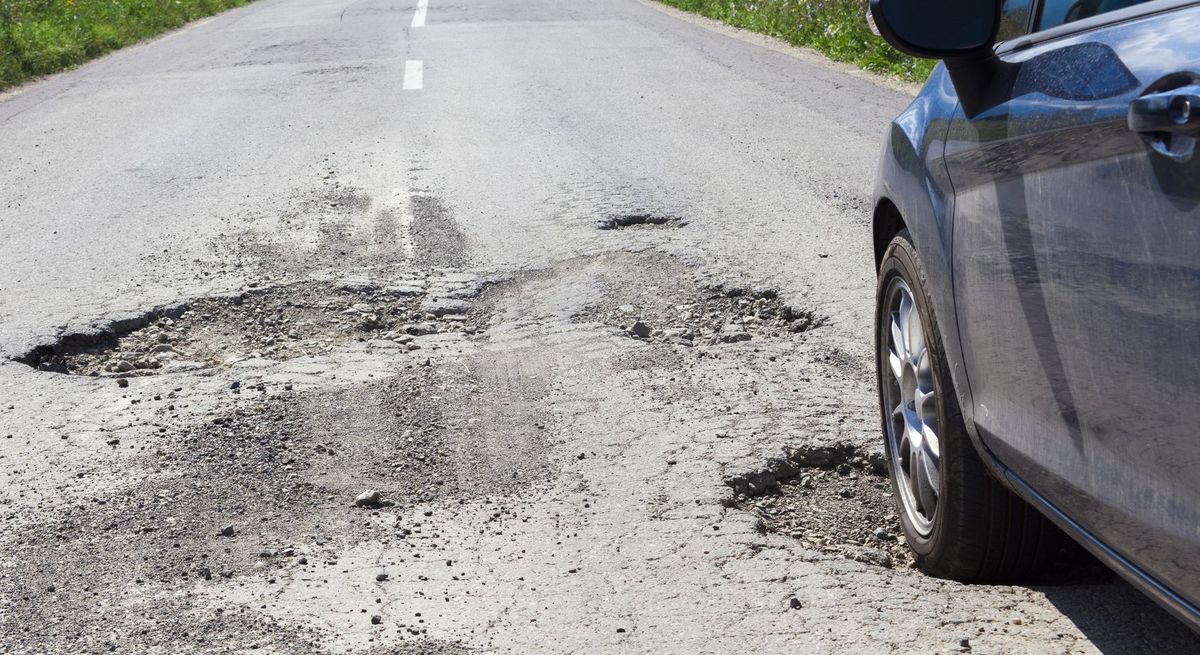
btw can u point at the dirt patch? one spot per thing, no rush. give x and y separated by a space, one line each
833 499
426 647
416 437
623 221
437 239
334 228
267 489
856 366
656 297
278 323
846 510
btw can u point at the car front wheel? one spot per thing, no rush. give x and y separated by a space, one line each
961 523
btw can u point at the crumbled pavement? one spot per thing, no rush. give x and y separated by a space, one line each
550 476
482 497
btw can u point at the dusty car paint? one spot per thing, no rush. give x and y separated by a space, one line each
1063 255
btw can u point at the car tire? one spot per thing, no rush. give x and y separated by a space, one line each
961 522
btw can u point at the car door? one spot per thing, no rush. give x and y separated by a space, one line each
1076 262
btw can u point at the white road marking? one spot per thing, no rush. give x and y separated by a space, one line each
401 208
419 17
414 70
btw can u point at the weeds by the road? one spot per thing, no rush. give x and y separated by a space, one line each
38 37
837 28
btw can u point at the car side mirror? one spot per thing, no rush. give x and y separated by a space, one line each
960 32
938 29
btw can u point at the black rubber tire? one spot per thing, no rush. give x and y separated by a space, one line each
981 531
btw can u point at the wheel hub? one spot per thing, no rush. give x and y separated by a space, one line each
913 442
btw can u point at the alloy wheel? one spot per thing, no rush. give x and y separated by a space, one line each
912 428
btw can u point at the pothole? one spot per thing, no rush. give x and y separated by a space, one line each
832 499
838 500
279 323
658 300
622 221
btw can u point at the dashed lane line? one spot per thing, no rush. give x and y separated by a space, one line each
419 17
414 71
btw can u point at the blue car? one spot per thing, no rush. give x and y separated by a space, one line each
1037 237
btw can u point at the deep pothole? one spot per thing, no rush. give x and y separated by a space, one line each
639 220
832 499
838 500
279 323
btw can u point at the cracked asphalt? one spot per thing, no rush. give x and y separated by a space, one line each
557 303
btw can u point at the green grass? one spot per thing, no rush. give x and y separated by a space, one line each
38 37
837 28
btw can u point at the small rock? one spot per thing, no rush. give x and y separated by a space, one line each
235 385
640 330
882 534
733 334
795 603
124 366
376 619
381 577
368 498
420 329
227 531
122 382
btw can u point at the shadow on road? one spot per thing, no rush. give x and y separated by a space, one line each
1115 617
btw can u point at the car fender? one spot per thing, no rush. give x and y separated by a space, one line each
912 186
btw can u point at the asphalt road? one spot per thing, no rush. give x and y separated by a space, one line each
409 199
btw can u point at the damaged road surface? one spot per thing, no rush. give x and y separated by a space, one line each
531 357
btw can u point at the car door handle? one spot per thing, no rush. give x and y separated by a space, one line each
1176 111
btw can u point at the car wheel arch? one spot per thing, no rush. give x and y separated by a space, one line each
888 221
885 225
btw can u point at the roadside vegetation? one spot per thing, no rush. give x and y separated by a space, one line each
38 37
837 28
